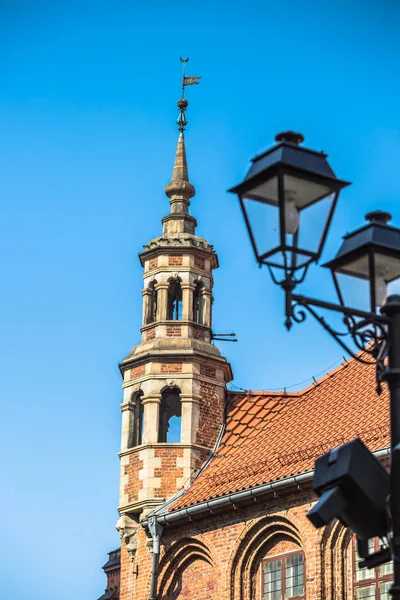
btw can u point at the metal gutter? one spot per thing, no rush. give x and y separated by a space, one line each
209 506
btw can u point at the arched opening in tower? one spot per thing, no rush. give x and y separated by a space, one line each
174 312
169 429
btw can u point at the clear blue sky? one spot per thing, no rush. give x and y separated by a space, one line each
87 137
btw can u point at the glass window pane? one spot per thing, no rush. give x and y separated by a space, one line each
366 593
273 580
384 588
365 573
294 576
387 568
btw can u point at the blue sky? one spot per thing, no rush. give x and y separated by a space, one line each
87 138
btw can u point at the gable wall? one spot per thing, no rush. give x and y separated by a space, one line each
219 557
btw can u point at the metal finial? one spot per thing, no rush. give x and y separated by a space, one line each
183 103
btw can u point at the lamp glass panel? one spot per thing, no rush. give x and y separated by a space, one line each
355 291
387 267
313 220
304 191
264 223
267 191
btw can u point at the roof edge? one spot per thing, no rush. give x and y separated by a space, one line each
208 506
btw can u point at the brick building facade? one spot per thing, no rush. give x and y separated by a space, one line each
215 486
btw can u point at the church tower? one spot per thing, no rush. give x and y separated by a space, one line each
174 381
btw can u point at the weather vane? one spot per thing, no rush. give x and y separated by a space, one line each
183 103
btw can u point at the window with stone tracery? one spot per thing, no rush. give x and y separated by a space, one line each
169 428
174 308
283 577
372 584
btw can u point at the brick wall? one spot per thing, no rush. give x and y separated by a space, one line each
169 470
207 371
150 334
211 415
197 582
199 262
171 367
198 333
173 331
134 484
175 260
153 263
137 371
219 557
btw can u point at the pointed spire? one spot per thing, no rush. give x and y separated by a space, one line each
180 171
180 190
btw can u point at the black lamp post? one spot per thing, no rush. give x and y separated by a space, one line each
295 180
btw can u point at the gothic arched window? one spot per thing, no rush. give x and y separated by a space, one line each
174 312
169 428
137 422
198 303
283 576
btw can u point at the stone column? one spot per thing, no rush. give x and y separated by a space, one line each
148 300
206 299
187 300
162 300
190 418
127 425
151 408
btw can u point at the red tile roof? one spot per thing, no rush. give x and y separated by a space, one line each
270 436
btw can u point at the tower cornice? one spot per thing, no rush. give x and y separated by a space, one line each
191 244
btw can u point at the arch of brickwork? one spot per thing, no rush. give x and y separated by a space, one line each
187 569
254 544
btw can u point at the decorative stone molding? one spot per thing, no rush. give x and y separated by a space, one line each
186 240
128 532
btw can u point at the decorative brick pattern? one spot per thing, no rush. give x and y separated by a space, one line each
153 263
150 334
198 333
175 261
207 371
171 368
169 471
137 372
199 262
173 331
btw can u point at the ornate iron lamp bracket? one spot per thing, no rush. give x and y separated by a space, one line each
367 330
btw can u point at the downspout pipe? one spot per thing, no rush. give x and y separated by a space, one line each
245 495
156 530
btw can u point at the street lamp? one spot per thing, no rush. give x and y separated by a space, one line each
294 180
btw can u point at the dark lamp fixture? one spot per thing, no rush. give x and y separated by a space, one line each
291 178
371 253
299 182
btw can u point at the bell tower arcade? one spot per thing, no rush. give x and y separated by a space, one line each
174 381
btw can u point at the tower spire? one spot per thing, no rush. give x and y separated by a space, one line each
180 190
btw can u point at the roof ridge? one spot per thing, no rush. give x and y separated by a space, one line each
282 393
